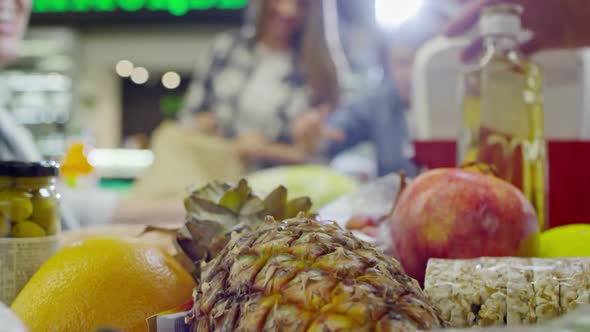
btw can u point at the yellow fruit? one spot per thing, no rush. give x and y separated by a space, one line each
27 229
19 203
164 241
102 282
45 213
566 241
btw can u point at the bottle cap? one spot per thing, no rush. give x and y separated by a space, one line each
501 20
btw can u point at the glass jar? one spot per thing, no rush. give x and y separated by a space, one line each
29 222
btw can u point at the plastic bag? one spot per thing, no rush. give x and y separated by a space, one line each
577 321
185 158
10 322
506 291
374 200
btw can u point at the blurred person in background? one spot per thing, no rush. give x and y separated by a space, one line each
379 118
256 80
79 207
16 142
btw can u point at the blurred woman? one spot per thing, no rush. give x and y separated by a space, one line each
255 81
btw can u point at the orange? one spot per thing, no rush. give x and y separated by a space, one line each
102 282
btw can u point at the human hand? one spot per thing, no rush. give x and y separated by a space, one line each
250 146
310 129
206 122
554 24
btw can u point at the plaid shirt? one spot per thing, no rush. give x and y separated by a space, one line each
246 88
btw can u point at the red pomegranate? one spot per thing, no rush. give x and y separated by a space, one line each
456 213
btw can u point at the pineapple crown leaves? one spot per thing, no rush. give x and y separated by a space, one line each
230 206
219 209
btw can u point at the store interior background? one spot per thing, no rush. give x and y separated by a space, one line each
87 48
88 54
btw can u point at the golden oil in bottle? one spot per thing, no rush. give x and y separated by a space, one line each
503 122
468 146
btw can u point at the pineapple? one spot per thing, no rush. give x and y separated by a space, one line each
304 275
219 209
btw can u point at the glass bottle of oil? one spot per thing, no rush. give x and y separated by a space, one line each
503 122
468 147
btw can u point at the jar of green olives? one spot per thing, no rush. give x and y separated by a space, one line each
29 222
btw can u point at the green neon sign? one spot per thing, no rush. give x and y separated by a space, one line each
174 7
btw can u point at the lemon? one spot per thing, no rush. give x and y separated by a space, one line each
566 241
102 282
27 229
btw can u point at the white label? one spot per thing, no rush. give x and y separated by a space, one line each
19 260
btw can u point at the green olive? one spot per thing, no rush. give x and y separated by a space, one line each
27 229
19 202
34 183
5 182
45 212
4 226
54 228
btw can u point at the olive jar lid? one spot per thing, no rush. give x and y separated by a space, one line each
29 169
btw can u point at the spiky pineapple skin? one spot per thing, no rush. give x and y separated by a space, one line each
303 275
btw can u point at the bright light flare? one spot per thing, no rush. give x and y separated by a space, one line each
124 68
140 75
120 158
171 80
390 14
